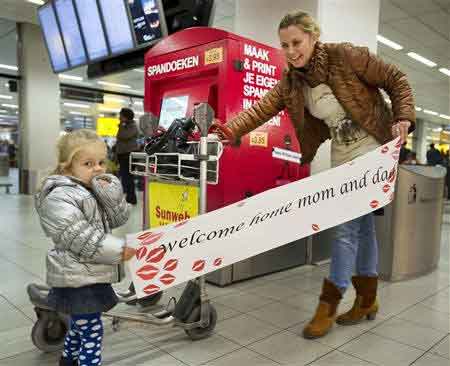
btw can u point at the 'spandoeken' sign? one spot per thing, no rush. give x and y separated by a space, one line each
175 253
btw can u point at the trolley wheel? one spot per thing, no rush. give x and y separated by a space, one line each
200 333
145 301
48 332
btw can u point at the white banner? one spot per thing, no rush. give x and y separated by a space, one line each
172 254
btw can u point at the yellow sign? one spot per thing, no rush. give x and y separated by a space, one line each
107 126
214 56
258 139
169 203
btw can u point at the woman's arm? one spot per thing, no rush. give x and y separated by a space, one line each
262 111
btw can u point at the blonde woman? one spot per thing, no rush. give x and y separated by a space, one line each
331 91
78 205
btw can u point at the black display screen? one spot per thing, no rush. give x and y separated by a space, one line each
117 25
52 37
70 32
146 18
91 24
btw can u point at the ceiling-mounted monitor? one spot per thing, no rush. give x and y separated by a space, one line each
148 21
52 38
71 33
91 23
117 26
182 14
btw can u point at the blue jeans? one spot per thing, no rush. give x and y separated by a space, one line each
354 243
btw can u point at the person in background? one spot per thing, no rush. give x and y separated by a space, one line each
126 144
434 157
404 153
78 206
331 91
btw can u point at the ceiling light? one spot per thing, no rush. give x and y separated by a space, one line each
106 109
139 70
70 77
421 59
444 116
38 2
77 105
77 113
9 67
433 113
107 83
101 115
389 43
3 111
418 109
138 102
114 99
10 106
5 96
439 129
445 71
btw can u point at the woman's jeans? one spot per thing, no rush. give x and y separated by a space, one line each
354 243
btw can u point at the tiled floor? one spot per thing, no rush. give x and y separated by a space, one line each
260 321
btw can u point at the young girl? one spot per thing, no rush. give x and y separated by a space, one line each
78 206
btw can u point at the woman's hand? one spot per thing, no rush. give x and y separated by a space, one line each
128 253
401 129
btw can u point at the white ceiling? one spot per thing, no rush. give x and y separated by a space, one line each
422 26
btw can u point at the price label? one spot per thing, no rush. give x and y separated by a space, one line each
214 56
258 139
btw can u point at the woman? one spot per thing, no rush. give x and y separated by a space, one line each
332 91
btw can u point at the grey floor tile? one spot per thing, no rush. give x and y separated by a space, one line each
427 317
242 356
303 300
243 302
12 318
245 329
288 348
281 315
431 360
407 332
15 341
337 358
381 351
31 358
439 302
145 356
224 312
274 291
442 348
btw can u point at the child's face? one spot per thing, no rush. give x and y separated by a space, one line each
88 163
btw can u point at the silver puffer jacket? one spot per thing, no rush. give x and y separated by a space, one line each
79 222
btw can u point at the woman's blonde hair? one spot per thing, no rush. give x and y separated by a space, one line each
70 144
302 20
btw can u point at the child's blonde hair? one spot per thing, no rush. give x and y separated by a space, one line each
70 144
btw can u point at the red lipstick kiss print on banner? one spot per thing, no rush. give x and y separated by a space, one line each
171 264
395 154
374 204
384 149
147 272
181 223
198 265
151 289
217 262
155 255
398 145
144 235
141 253
315 227
386 188
152 238
391 176
167 279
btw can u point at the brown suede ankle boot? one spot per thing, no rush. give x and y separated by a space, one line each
365 305
325 314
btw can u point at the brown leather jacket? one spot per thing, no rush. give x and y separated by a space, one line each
355 77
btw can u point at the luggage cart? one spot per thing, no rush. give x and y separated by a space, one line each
193 312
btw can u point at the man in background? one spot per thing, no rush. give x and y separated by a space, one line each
126 144
434 157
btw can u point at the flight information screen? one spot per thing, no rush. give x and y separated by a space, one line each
91 24
117 25
146 17
172 108
70 32
47 19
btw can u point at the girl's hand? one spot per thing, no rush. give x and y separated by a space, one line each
128 253
401 129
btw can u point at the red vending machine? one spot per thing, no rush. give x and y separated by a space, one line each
230 73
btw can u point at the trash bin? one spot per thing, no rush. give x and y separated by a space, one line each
4 165
409 233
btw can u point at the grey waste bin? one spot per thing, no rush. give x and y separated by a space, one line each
409 234
4 165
